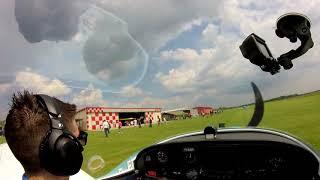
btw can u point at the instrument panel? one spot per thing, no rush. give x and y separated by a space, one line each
226 160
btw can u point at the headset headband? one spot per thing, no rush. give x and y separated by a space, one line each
53 110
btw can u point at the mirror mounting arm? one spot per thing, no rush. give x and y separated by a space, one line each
285 60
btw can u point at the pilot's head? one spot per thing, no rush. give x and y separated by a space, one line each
46 143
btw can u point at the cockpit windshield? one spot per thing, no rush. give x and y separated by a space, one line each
142 71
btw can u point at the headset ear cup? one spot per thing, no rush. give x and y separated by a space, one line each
69 155
64 158
45 154
279 33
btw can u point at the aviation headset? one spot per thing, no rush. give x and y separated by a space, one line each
60 152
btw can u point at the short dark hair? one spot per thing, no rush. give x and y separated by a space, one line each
26 126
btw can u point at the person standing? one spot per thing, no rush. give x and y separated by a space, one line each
150 122
119 126
164 120
139 121
109 127
159 120
106 127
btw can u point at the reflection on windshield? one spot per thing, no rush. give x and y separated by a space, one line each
99 48
109 52
95 164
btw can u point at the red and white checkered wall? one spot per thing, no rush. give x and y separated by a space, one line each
96 116
148 116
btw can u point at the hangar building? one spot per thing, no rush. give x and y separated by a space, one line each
202 111
91 118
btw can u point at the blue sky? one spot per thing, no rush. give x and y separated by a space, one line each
148 53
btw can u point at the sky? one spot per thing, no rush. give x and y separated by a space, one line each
147 53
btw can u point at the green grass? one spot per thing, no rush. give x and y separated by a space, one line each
299 116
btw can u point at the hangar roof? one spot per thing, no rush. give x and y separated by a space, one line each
118 109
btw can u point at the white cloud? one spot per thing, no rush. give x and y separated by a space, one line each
176 101
131 91
162 102
41 84
184 77
178 79
158 102
188 54
200 67
90 96
210 33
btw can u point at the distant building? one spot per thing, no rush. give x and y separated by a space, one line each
202 111
180 113
169 116
91 118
